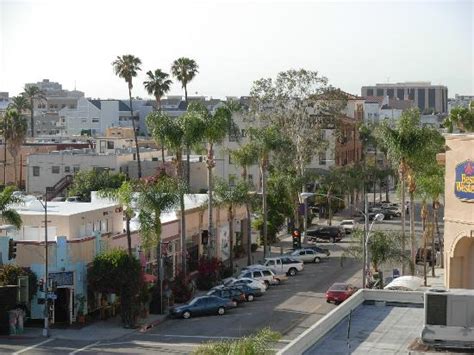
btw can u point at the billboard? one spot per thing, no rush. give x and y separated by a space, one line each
464 181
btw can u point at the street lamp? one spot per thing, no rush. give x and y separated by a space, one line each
304 197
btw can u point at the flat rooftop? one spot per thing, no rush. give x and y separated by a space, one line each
373 329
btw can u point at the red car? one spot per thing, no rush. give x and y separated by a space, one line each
339 292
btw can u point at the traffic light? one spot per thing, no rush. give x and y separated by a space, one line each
11 249
296 237
205 237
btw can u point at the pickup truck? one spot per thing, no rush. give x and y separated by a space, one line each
284 265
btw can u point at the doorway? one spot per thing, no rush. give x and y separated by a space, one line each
61 306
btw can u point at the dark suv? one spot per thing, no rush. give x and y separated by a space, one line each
329 233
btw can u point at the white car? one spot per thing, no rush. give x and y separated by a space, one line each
284 265
349 225
264 274
307 255
232 281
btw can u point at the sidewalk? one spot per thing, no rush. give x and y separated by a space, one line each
98 331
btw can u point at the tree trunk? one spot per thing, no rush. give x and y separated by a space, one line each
163 157
129 235
231 238
186 94
188 166
135 135
5 163
423 228
263 171
441 245
412 231
15 175
32 120
249 235
210 166
403 220
433 250
182 218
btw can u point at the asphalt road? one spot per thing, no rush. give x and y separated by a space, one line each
288 308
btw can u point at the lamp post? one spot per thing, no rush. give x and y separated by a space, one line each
304 197
378 217
46 301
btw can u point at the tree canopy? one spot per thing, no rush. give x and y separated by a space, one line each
86 181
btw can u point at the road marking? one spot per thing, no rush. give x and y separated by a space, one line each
34 346
191 336
150 343
84 348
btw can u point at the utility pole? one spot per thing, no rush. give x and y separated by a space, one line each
366 235
46 280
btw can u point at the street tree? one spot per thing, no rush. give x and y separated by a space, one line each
124 195
157 122
86 181
462 118
231 197
410 146
20 103
33 93
158 84
14 127
184 70
126 67
8 212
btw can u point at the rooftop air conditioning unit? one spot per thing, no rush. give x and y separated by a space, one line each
449 318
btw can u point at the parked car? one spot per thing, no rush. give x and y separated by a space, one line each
389 213
230 293
249 292
329 233
307 255
201 306
284 265
348 225
339 292
264 274
319 249
232 281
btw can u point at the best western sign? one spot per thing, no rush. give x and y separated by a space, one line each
464 182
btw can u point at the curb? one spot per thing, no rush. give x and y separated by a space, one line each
146 327
20 336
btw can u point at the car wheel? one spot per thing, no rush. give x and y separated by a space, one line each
267 283
337 303
317 260
250 298
327 301
292 271
221 311
187 315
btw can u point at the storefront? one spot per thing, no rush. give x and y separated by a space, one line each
459 211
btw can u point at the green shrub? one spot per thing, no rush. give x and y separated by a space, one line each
253 247
252 345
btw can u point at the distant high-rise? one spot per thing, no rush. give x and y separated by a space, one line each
428 98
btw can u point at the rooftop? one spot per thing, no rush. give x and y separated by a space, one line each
374 330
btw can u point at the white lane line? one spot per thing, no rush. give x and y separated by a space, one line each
34 346
150 343
190 336
84 348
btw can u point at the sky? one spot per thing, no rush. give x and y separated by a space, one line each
352 43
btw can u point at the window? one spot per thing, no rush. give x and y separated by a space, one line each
95 120
370 92
110 145
67 169
83 120
379 92
75 169
230 159
36 171
266 273
55 169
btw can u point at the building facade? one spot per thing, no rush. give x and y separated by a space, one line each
427 97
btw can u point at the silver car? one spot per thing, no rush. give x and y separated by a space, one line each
307 255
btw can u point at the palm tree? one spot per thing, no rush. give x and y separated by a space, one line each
9 215
462 118
231 197
411 147
157 85
244 157
184 70
157 122
125 197
32 93
264 141
14 129
171 134
126 67
20 103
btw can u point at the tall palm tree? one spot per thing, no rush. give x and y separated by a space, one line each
231 197
184 70
171 135
14 129
244 157
32 93
20 103
157 85
126 67
125 196
7 214
157 124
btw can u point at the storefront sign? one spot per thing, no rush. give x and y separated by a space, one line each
62 278
464 181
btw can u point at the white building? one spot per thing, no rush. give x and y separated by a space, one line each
45 170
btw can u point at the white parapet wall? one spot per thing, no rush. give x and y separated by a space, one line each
318 330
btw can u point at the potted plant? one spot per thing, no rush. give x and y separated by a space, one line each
81 301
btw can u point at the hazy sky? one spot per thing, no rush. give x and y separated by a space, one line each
353 43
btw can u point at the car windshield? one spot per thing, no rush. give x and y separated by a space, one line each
194 300
338 287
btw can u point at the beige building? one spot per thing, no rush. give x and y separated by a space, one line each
459 211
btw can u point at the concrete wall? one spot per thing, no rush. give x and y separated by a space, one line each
458 217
